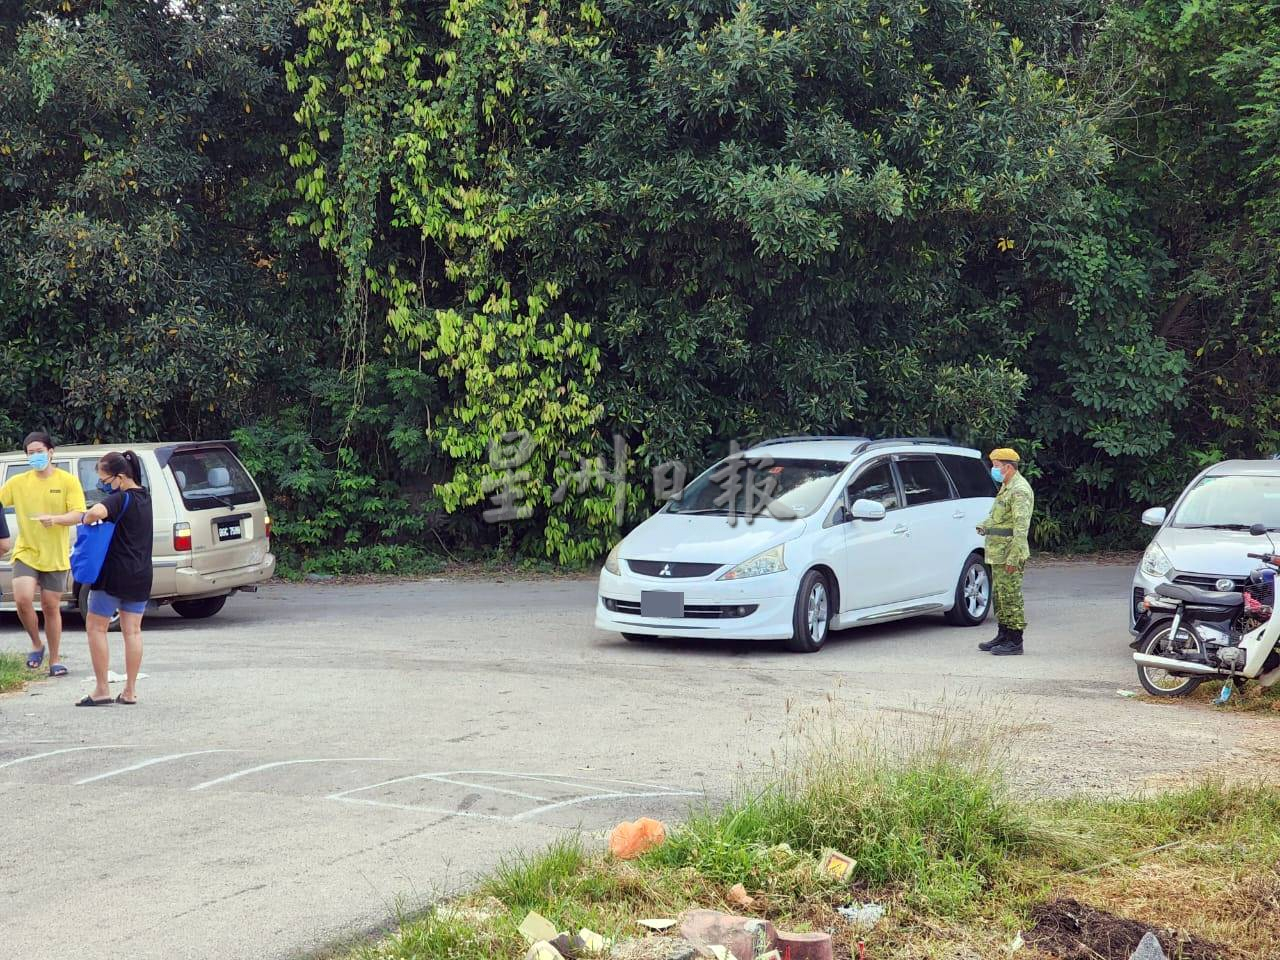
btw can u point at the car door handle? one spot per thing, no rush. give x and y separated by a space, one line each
900 528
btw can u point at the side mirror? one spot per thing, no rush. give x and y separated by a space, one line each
867 510
1258 530
1155 516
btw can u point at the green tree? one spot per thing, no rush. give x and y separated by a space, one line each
788 218
141 291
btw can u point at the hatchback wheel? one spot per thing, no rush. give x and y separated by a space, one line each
973 594
811 621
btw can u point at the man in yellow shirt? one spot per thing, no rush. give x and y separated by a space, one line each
47 502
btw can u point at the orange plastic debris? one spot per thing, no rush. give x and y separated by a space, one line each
629 840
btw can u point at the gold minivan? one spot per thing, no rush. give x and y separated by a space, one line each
212 529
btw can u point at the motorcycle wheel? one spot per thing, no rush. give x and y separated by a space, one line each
1157 681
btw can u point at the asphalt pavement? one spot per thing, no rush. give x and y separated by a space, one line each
318 757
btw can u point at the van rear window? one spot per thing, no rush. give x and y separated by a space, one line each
208 479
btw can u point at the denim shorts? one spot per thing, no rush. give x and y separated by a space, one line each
105 605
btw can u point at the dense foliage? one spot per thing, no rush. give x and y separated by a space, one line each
427 260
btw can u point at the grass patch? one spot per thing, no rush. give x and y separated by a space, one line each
1251 699
13 672
939 838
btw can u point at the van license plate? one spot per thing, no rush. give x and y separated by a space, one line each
662 604
229 530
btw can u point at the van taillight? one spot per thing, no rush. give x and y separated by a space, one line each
182 537
267 527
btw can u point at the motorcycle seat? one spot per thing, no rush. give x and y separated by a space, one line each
1198 597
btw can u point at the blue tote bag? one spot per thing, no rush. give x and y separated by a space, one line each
89 552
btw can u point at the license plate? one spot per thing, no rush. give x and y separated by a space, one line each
662 604
230 531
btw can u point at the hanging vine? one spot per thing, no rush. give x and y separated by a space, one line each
408 126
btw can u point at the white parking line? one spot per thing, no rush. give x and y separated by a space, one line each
600 796
146 763
482 786
288 763
54 753
408 806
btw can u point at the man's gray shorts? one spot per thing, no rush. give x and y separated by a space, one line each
55 580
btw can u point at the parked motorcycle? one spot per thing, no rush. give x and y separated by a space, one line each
1196 635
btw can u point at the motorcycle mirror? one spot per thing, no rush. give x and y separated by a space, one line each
1258 530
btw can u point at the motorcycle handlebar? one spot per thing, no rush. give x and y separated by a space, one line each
1265 557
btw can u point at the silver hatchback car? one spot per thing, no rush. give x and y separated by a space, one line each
1204 540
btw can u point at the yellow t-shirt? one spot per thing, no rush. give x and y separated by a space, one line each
42 548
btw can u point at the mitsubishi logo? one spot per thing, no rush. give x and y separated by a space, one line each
665 571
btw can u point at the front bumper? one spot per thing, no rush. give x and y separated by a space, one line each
710 606
1142 585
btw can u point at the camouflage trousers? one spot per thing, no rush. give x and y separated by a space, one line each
1006 590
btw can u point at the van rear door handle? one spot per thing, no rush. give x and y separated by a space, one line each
900 528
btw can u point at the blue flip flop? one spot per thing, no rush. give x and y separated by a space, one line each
35 658
57 670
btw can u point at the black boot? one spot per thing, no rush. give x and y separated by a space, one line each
1012 646
1001 635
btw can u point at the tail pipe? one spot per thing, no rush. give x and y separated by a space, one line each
1177 666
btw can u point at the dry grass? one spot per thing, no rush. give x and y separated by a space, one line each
939 839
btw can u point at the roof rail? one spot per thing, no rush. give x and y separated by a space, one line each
803 438
892 441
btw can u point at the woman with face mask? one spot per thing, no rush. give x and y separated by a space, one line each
125 581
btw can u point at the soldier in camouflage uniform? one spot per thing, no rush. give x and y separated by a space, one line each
1006 531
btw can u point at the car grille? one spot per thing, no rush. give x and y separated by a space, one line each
674 571
1206 581
692 611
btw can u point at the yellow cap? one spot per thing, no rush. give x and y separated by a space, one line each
1007 454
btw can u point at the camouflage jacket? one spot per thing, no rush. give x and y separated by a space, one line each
1009 523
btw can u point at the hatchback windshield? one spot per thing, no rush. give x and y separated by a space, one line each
746 487
1231 503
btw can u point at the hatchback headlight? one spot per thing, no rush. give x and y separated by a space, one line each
1156 563
762 563
611 562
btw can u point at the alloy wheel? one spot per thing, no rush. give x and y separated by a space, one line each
977 591
817 612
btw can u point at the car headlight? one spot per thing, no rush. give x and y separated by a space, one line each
1155 562
762 563
611 562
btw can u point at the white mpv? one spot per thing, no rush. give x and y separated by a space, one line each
799 536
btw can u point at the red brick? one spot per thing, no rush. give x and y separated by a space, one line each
804 946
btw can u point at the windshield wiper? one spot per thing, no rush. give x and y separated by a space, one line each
1217 526
702 511
217 498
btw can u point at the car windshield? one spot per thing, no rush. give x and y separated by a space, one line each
1231 503
750 487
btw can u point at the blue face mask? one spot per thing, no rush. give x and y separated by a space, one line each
38 460
997 476
106 487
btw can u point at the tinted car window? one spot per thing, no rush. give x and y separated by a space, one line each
746 486
969 475
87 471
923 481
208 479
875 483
